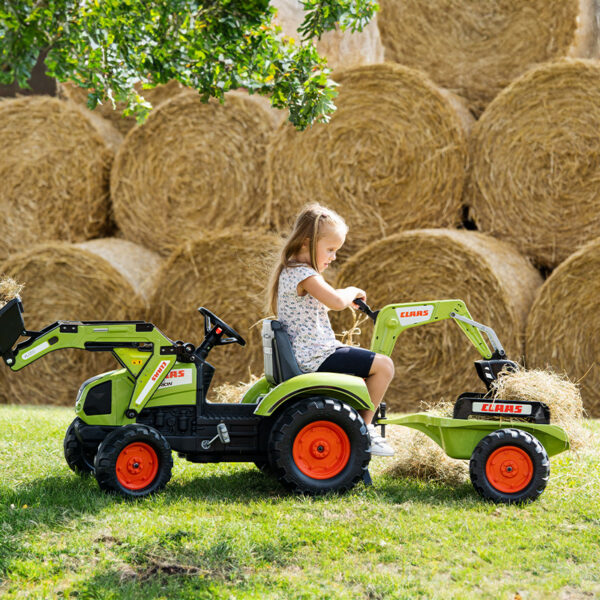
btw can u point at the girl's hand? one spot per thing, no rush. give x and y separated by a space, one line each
358 293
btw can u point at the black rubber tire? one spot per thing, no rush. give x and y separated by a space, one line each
117 441
293 420
79 460
515 438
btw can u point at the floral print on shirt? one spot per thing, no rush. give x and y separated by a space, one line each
304 319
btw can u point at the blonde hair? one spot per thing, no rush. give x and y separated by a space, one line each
312 223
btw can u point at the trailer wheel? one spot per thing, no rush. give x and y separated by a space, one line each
134 461
318 446
508 466
79 459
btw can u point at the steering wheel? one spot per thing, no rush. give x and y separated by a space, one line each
212 321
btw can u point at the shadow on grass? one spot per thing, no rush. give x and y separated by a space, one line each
253 485
60 497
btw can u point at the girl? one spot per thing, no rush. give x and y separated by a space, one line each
300 297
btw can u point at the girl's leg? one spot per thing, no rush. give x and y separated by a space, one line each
380 376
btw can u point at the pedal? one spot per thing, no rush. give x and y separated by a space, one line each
382 411
222 436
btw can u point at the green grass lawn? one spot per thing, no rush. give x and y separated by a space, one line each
228 531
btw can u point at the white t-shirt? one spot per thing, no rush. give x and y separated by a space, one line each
304 319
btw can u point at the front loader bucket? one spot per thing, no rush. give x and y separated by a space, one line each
12 325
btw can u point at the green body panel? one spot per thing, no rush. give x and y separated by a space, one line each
132 359
459 437
178 387
348 388
121 388
393 319
261 388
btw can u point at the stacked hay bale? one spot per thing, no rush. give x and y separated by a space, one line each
563 329
54 167
342 49
536 162
194 168
476 48
74 282
225 272
156 96
435 361
392 158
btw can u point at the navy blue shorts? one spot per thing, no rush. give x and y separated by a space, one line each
349 359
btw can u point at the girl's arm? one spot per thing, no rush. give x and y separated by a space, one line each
334 299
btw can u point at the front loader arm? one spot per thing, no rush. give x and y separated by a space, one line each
141 348
393 319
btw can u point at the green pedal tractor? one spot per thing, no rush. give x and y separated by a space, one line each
304 428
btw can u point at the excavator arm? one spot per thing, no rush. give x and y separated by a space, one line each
393 319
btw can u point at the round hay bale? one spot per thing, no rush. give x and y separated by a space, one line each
227 274
193 167
478 47
65 282
343 49
392 158
435 361
54 168
137 264
563 329
156 96
536 162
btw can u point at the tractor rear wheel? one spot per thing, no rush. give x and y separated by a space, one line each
134 461
319 445
79 459
509 466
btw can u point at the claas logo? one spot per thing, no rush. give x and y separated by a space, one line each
502 408
160 369
175 373
414 313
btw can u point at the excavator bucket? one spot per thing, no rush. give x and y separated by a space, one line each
12 325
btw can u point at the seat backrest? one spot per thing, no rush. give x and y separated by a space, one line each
280 362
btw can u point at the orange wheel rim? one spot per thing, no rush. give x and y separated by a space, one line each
137 465
321 450
509 469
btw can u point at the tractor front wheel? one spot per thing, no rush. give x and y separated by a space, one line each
319 445
508 466
79 459
134 461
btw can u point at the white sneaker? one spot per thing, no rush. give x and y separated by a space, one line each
379 447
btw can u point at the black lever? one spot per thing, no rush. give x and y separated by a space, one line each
364 307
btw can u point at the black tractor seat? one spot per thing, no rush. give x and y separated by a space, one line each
280 362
